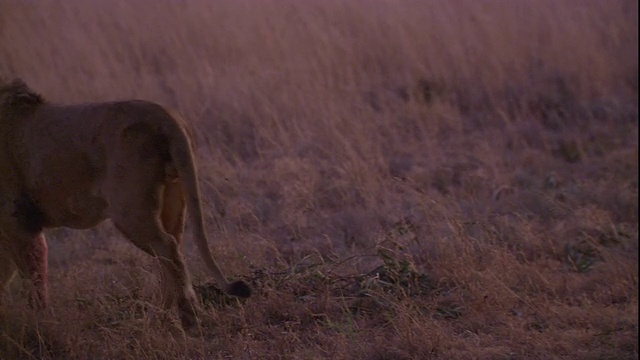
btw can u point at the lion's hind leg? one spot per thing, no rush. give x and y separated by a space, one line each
173 209
146 231
136 194
172 216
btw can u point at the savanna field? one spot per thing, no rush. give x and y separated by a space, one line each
395 179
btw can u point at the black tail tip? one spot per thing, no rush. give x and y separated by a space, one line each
239 289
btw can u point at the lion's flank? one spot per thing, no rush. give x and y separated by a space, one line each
17 95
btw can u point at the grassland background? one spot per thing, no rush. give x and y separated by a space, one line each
399 179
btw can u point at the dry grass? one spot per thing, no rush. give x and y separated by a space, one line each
400 180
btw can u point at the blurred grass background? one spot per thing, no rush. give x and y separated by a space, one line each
489 145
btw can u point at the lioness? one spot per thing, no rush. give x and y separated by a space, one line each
75 166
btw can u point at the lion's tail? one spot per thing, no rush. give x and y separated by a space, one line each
182 157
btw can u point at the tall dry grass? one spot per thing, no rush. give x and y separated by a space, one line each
413 179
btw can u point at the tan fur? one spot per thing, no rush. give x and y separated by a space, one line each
76 166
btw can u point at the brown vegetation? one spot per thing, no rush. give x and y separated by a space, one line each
405 180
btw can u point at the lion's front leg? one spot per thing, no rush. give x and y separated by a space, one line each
21 226
7 272
32 262
37 264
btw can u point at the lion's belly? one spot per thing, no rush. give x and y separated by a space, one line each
78 212
77 207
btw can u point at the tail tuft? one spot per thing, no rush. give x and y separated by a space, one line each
239 289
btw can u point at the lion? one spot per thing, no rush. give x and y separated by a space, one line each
76 166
